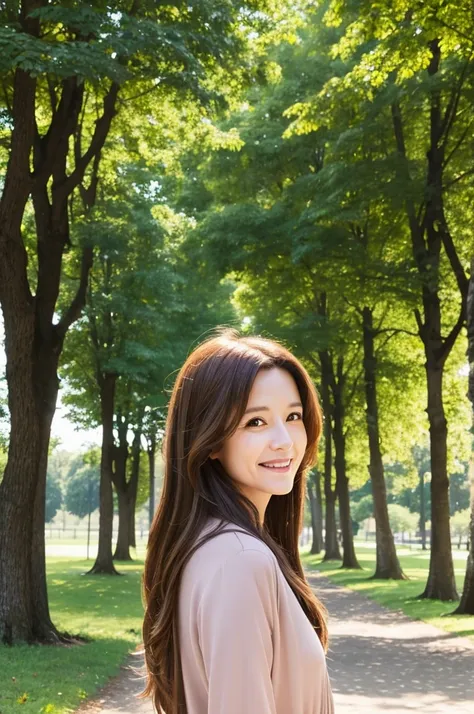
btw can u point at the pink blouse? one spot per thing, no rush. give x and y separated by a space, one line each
246 645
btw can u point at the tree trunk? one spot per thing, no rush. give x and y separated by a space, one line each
33 336
104 562
151 450
466 606
315 510
17 495
422 510
122 549
132 527
135 475
387 564
331 544
429 232
349 558
126 490
319 509
441 583
44 630
24 610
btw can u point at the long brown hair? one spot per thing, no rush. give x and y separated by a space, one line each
208 401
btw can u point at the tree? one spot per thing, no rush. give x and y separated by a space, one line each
67 70
82 493
316 510
466 605
439 74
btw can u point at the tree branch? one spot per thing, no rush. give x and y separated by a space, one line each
451 109
99 136
453 335
75 308
457 145
469 172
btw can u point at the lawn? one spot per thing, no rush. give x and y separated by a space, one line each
400 595
107 610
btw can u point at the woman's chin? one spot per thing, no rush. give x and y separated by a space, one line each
282 489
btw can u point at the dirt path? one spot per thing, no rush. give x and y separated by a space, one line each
380 662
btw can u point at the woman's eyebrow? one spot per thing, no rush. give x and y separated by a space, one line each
266 409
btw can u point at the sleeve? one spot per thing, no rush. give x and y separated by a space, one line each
235 622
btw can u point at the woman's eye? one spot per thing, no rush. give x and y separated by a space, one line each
293 414
251 422
298 414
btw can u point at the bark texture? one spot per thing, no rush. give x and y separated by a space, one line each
349 558
466 605
151 451
331 544
387 564
314 496
104 562
126 488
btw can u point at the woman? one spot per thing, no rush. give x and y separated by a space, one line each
231 625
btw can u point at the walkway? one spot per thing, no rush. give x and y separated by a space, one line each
380 662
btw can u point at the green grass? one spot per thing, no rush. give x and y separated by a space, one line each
396 594
105 609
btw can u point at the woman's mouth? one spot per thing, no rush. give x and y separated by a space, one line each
280 467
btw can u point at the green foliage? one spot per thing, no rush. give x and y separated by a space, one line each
363 509
54 497
401 519
460 524
81 497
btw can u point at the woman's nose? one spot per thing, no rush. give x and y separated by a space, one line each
281 438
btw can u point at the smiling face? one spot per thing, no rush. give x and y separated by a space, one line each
271 430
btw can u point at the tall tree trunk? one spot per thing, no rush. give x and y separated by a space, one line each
33 335
126 489
331 544
429 232
441 583
349 558
319 508
104 562
316 517
17 495
24 612
122 548
44 630
136 456
387 564
132 527
151 451
422 510
466 606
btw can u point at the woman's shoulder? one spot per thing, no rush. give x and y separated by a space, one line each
229 544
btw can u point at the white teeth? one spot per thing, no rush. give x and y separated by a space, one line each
280 465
